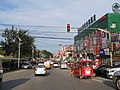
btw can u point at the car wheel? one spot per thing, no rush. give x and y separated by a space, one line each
118 84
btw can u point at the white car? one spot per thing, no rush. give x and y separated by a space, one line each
40 70
55 65
63 66
110 72
26 66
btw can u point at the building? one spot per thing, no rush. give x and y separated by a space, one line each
94 43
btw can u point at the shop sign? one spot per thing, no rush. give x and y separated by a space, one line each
107 51
97 62
88 51
116 8
83 52
101 52
118 44
102 18
91 50
117 49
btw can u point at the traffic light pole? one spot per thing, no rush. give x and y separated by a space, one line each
111 57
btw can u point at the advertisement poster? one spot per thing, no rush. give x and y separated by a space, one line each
115 38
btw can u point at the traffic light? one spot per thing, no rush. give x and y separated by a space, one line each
114 47
68 27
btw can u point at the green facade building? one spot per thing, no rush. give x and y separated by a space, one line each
94 42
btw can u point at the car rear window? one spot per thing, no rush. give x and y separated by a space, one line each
40 66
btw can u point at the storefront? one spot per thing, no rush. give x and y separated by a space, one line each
92 39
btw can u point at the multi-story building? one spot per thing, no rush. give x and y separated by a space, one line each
94 43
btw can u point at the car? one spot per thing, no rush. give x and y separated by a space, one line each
40 63
104 72
26 66
100 70
55 65
63 65
40 70
1 73
116 79
110 72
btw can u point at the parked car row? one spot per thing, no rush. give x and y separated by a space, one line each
101 70
112 72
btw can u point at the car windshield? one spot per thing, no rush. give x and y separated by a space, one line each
87 63
97 67
25 64
40 66
55 63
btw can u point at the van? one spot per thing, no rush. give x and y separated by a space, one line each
1 72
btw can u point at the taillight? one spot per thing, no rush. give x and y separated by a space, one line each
35 69
44 68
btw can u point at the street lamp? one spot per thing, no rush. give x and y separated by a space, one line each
111 59
19 44
32 52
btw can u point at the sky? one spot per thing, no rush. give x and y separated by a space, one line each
51 17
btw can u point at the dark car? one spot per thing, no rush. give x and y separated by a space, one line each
1 73
100 70
116 79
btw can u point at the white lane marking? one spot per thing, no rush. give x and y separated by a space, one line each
99 79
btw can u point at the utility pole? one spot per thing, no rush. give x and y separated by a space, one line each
19 44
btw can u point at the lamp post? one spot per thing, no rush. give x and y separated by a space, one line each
111 57
32 52
19 44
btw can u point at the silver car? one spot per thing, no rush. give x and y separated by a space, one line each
63 65
26 66
116 79
40 70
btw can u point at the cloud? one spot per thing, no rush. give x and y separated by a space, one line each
52 13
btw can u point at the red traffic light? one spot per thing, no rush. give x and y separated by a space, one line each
68 27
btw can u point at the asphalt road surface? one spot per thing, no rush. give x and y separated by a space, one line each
56 79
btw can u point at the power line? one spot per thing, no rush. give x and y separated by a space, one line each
59 27
39 26
53 38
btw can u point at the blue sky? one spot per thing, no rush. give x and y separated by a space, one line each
52 13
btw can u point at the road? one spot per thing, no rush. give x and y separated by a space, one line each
56 79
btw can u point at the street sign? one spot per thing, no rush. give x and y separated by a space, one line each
116 8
